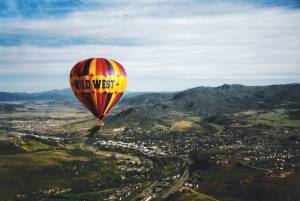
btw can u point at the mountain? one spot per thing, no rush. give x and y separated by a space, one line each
203 100
159 108
233 98
147 109
146 99
56 94
221 99
47 95
134 117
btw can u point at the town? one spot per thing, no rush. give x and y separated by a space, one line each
159 162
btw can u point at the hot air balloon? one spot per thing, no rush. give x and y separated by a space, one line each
98 84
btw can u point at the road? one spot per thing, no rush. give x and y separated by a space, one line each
147 191
179 182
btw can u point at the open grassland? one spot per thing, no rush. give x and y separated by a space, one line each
278 118
240 182
31 145
85 124
47 120
66 174
3 136
39 159
58 115
192 195
181 125
169 169
186 125
217 127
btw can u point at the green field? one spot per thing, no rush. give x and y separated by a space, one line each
238 181
277 117
56 174
192 195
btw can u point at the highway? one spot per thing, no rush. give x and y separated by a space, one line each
147 194
178 183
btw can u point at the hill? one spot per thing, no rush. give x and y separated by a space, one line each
141 109
222 99
46 95
207 101
134 117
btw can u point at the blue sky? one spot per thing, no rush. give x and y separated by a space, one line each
164 45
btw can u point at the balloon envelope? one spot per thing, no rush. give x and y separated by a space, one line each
98 83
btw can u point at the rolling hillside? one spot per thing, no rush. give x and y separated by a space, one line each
206 101
157 108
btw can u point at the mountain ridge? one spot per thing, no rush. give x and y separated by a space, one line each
205 101
57 94
147 109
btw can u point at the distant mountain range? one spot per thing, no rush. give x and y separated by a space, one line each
152 107
56 94
196 100
225 98
47 95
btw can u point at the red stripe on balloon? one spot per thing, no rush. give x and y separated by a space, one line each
73 69
105 68
85 98
77 68
101 98
77 71
104 98
110 70
99 101
100 67
108 99
121 69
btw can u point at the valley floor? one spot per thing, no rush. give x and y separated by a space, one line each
57 153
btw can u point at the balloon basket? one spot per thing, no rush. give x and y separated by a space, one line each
99 123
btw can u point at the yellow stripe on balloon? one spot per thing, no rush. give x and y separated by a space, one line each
92 73
116 84
123 84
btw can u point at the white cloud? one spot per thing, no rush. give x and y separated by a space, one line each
178 41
